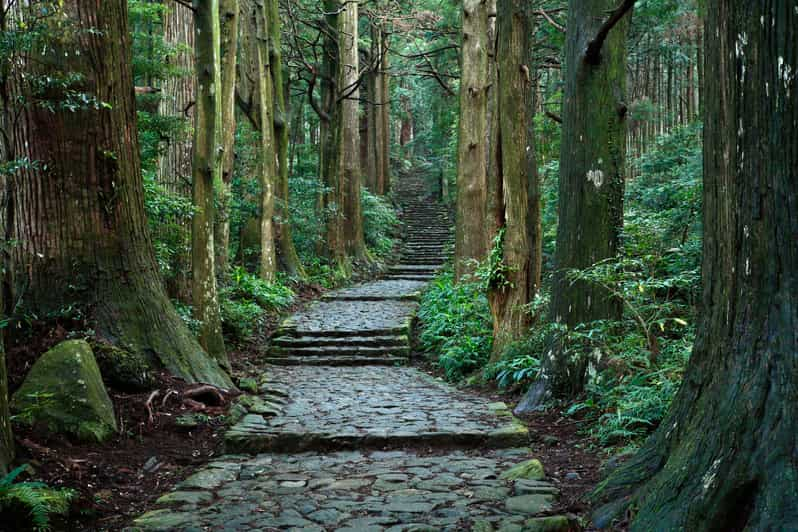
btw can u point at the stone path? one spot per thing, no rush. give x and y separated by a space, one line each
342 437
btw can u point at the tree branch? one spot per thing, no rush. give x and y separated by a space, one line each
593 52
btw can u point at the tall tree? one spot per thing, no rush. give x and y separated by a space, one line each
510 257
725 456
349 136
206 175
332 200
383 122
288 253
257 97
472 179
228 15
174 171
591 186
77 208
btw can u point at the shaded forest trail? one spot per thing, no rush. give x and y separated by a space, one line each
343 436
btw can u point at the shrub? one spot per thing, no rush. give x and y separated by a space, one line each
456 325
380 223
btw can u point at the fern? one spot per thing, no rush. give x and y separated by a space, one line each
37 499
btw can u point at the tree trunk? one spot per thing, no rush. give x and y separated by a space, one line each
725 456
206 175
592 164
509 286
229 13
330 152
174 172
78 215
384 116
534 209
349 93
371 164
289 257
257 97
472 178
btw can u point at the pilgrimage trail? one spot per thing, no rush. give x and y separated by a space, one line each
346 437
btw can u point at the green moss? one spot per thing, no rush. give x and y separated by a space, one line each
529 470
122 369
64 390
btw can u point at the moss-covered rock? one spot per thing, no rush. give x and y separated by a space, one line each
529 470
122 369
64 390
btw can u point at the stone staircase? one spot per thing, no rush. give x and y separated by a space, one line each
428 233
369 324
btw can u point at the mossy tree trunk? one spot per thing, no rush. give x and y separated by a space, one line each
257 97
206 175
724 458
332 200
472 178
228 16
534 208
384 115
591 187
78 213
349 136
509 286
288 254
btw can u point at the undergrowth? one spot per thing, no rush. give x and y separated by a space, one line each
31 505
636 363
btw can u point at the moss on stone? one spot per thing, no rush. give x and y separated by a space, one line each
529 470
64 390
121 368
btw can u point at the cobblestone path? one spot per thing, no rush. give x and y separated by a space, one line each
342 436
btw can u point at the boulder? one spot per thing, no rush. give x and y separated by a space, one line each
64 390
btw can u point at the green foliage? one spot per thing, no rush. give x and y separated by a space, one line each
246 300
36 500
380 223
456 325
635 364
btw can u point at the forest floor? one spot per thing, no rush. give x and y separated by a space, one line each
351 437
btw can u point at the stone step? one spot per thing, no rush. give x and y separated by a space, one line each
342 333
406 277
352 341
411 268
336 361
341 351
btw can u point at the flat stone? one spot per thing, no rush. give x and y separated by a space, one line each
210 478
529 504
183 497
409 507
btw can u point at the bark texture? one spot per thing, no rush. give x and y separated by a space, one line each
288 254
228 15
472 177
78 214
509 286
330 152
174 172
206 170
349 94
257 98
592 164
725 456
